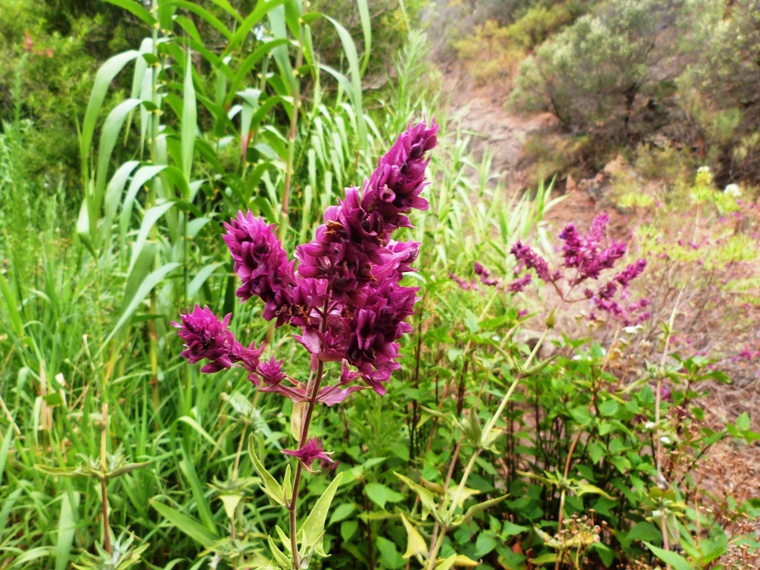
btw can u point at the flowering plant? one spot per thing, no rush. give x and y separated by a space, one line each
346 298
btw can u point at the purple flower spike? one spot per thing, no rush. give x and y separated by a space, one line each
518 285
207 338
271 372
526 256
261 264
345 296
309 452
395 186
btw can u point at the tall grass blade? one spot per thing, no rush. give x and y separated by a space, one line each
4 451
103 79
262 9
11 308
190 526
189 119
366 31
188 470
135 9
355 93
145 287
66 528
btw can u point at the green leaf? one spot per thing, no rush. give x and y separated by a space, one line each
128 468
203 13
595 452
476 509
230 504
426 497
588 489
197 427
605 553
261 10
62 471
66 528
415 544
341 512
190 526
204 510
389 555
608 408
53 399
189 119
742 422
380 494
471 322
484 544
446 563
136 9
548 558
642 531
103 79
348 529
8 503
149 220
355 93
11 308
713 547
366 31
145 287
269 484
283 560
314 526
511 529
677 561
4 449
108 137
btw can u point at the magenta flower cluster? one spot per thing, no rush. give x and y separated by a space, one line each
345 294
584 259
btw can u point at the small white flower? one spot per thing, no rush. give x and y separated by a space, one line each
665 439
733 190
703 169
632 329
649 425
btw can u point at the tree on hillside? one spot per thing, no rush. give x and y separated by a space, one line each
591 75
728 74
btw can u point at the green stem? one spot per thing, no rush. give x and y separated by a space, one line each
104 468
439 543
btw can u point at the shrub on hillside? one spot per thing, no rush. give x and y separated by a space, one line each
593 75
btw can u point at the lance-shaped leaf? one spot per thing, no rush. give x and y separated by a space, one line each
445 563
313 528
462 560
77 471
287 485
587 489
124 469
677 561
415 544
426 497
282 560
464 494
475 509
230 504
268 483
187 524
